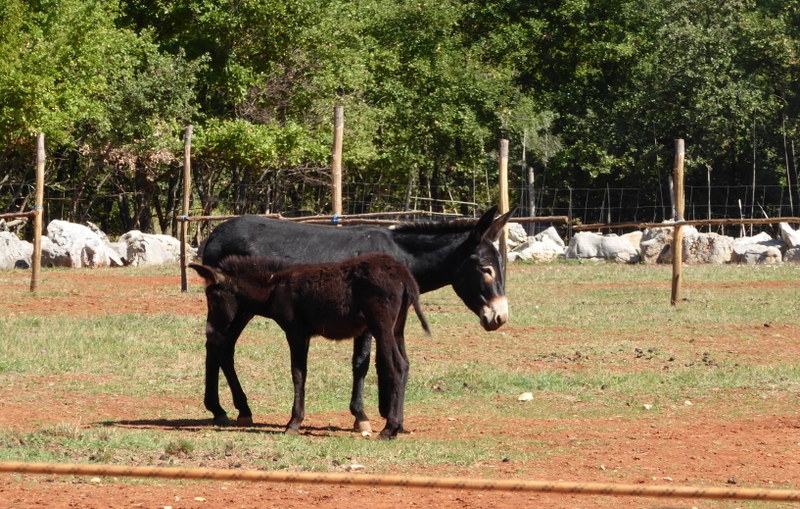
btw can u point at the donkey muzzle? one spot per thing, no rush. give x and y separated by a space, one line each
494 313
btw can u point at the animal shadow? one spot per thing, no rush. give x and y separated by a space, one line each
205 424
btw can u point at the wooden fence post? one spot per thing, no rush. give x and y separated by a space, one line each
503 185
677 234
38 210
187 192
336 161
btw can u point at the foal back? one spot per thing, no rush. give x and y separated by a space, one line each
344 299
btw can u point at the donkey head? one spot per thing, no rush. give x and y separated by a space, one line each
479 279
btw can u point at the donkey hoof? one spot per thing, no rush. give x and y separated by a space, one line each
244 421
364 428
291 431
222 420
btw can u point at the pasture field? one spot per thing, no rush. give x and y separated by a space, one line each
106 367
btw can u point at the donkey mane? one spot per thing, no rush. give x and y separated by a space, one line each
459 225
253 266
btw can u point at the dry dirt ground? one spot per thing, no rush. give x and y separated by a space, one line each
685 447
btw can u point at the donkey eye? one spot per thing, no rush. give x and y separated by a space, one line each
488 271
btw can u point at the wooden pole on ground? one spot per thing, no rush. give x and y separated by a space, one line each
677 235
336 161
399 481
503 185
187 192
38 209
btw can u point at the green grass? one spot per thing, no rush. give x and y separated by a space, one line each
594 340
96 345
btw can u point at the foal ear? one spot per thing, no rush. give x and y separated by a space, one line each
211 276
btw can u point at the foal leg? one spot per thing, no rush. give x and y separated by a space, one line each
400 339
392 369
245 417
211 398
361 353
219 355
298 347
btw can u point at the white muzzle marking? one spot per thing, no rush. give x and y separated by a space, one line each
494 313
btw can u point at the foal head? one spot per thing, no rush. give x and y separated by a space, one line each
230 289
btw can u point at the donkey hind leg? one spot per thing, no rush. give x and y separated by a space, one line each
361 354
298 347
220 356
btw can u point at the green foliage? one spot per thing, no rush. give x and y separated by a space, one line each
51 57
594 91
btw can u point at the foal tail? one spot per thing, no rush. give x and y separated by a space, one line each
412 292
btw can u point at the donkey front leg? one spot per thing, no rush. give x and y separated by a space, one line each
298 348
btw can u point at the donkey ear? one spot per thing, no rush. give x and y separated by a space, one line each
211 275
483 224
488 227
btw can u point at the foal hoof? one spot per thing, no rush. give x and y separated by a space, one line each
244 421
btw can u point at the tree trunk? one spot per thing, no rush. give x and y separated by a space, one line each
145 188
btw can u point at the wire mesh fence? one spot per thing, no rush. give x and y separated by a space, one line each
582 206
632 205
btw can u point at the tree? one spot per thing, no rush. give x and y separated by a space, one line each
51 70
437 98
151 101
105 97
